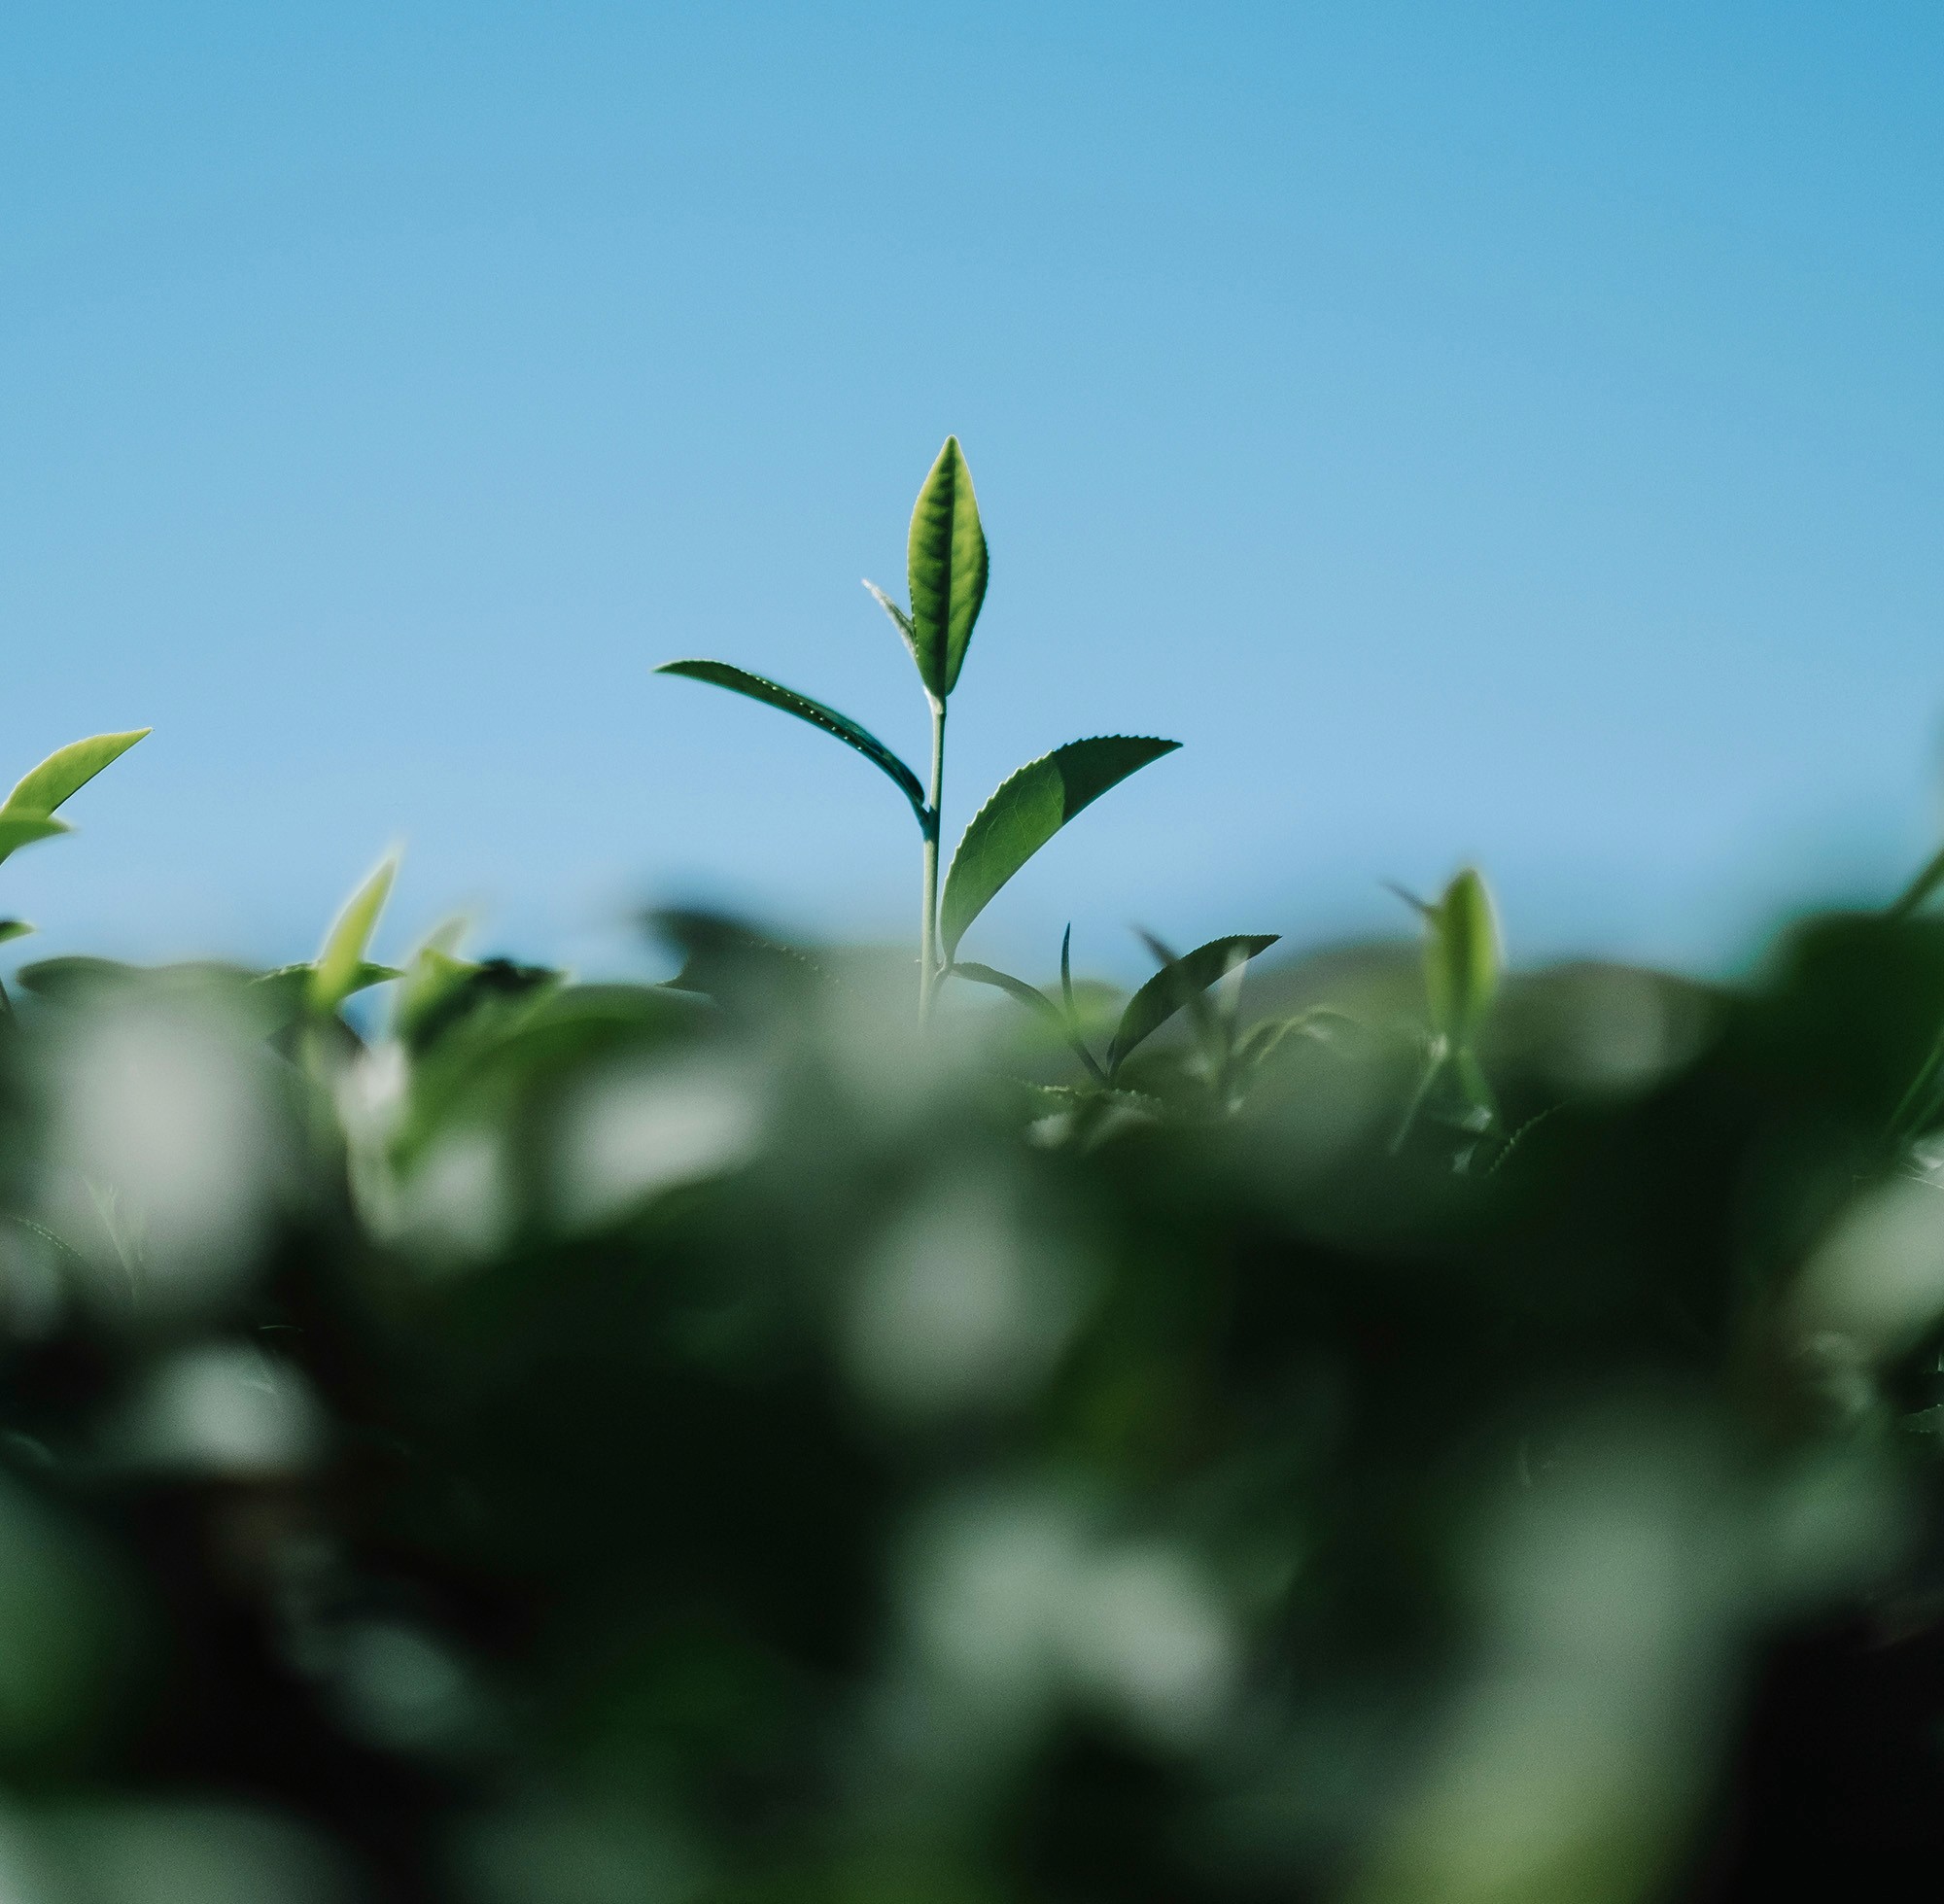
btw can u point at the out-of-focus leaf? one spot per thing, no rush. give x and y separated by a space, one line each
282 997
1030 997
1461 956
1178 982
17 830
739 681
14 928
342 962
946 569
1036 1001
62 980
1919 888
433 976
1472 1082
67 771
1026 811
724 960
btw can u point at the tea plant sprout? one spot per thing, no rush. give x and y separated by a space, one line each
1461 962
945 574
28 813
1224 1053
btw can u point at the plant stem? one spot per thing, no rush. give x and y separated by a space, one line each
927 975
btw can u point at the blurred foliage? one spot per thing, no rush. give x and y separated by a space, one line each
567 1443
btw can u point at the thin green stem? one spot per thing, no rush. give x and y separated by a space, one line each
927 979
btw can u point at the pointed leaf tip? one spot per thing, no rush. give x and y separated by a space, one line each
946 568
1026 811
342 962
69 769
901 621
1180 981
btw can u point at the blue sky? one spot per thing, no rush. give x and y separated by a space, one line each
1498 432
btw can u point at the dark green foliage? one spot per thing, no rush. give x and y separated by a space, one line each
475 1436
1180 983
702 1429
718 674
1025 811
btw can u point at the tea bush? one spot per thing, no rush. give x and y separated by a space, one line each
1373 1427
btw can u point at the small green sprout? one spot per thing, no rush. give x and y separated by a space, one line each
1461 963
946 569
27 813
1181 983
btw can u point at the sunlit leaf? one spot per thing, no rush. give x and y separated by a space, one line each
66 772
17 830
1026 811
739 681
1461 956
901 621
339 964
1180 981
947 567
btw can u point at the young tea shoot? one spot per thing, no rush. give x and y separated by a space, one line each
946 569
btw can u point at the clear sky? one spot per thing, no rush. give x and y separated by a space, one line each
1511 433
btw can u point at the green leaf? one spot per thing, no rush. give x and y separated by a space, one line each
1919 888
1178 982
17 830
901 621
738 680
1264 1039
14 928
342 962
1461 957
1026 811
1030 997
65 772
1036 1001
946 567
63 979
284 995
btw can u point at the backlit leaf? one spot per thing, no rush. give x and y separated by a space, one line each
1028 810
901 621
342 962
946 568
1461 956
66 772
1179 983
739 681
17 830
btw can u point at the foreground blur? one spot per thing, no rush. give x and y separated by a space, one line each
595 1443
